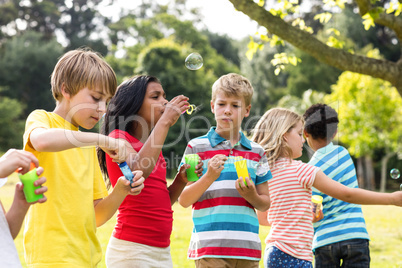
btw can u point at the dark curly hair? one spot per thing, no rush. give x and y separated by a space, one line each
321 121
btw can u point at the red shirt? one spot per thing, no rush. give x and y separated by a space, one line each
146 218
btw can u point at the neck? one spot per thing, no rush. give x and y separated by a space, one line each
318 144
141 132
231 135
62 110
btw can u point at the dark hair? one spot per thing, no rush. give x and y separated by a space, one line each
121 111
321 121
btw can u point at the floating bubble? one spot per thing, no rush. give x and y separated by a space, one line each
400 187
262 169
194 61
395 174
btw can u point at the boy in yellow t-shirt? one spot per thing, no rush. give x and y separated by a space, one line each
62 232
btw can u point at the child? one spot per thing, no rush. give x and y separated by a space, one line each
10 222
280 132
342 234
225 232
140 114
62 232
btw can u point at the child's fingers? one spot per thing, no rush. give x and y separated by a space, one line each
40 181
41 190
39 171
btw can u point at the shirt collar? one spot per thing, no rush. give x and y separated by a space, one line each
215 139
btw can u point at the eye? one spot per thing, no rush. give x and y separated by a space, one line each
95 99
236 106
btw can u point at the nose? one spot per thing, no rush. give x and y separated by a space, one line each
102 107
227 109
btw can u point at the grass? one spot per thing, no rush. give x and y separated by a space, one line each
383 223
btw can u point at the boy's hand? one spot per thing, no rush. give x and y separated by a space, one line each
19 194
16 159
174 109
117 149
215 166
123 185
245 189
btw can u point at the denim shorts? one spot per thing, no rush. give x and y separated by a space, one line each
275 258
354 253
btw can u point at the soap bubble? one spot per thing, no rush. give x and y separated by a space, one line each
194 61
262 169
400 187
395 174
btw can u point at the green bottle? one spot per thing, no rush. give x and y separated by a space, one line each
28 180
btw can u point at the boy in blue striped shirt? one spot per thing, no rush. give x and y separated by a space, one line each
341 234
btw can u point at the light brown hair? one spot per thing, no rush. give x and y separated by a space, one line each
233 85
270 129
82 68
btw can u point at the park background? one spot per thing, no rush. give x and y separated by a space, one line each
342 52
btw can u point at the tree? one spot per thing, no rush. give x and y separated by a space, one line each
26 63
370 115
284 22
12 126
77 21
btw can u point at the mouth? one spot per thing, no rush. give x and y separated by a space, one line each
95 118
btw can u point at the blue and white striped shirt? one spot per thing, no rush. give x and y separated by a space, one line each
342 220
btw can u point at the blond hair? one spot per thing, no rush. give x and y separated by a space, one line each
82 68
270 129
233 85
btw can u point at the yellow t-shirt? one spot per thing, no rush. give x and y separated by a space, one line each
62 231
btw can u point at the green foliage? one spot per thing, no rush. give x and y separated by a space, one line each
26 63
11 124
370 113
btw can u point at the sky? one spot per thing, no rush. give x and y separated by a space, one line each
219 16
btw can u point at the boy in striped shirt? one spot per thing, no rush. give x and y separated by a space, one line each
225 232
342 234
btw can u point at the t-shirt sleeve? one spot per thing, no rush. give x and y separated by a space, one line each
263 172
36 119
306 174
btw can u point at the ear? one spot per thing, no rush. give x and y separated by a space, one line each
65 94
212 107
305 133
248 108
285 137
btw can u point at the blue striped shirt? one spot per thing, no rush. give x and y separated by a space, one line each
225 224
342 220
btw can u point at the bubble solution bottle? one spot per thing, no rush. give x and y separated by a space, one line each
28 180
126 171
316 204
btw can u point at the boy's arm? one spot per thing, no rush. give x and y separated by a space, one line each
194 190
355 195
55 140
107 207
256 195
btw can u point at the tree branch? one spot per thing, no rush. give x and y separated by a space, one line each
379 68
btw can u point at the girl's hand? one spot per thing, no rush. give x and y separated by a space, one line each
182 174
123 185
215 166
16 159
245 189
19 194
199 168
320 216
174 109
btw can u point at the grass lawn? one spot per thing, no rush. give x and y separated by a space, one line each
384 225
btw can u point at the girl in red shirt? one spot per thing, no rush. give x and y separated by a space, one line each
140 114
